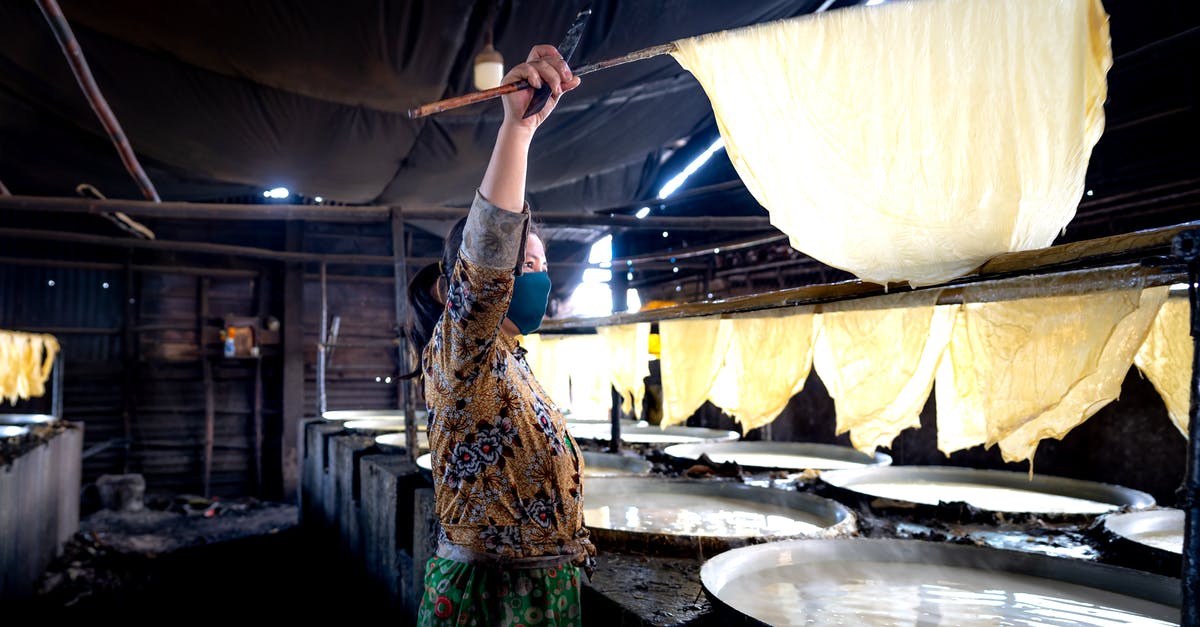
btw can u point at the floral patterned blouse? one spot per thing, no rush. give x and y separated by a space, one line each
507 475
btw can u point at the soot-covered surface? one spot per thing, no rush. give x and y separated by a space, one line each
198 558
636 589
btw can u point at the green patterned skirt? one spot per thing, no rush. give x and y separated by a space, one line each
462 594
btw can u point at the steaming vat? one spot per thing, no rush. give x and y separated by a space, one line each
12 431
779 455
614 465
25 419
395 442
989 490
643 433
382 426
917 582
372 414
703 517
595 465
1160 529
1150 540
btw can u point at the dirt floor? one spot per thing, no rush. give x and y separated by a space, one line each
198 560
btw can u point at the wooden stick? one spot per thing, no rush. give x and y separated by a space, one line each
83 74
508 88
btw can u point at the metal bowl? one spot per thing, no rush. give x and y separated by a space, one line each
778 455
12 431
988 490
916 582
396 442
688 517
26 419
424 464
372 414
588 416
642 433
614 465
381 426
1159 529
1150 540
595 465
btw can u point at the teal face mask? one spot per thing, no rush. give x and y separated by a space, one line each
531 293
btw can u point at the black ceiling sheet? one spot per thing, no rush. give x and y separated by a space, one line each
221 97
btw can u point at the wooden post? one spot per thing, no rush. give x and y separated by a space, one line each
321 339
293 365
1186 247
404 387
209 395
260 310
129 357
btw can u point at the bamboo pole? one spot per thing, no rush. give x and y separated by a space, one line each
508 88
83 74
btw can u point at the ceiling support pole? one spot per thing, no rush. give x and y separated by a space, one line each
83 74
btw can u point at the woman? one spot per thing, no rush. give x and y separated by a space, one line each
507 475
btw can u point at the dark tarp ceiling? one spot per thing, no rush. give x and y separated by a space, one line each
228 97
223 98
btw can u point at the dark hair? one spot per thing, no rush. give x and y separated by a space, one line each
426 309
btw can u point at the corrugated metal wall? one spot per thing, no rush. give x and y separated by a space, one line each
148 414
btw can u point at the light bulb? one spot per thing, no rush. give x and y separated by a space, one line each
489 68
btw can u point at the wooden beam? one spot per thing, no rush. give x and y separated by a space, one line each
199 210
701 251
223 273
194 247
345 213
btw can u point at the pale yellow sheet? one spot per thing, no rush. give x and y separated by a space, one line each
769 358
877 358
588 361
629 351
26 361
1166 359
1032 368
911 141
543 360
693 350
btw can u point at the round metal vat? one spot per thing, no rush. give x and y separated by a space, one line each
26 419
13 431
986 490
778 455
643 433
372 414
687 517
614 465
861 581
395 442
1150 540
